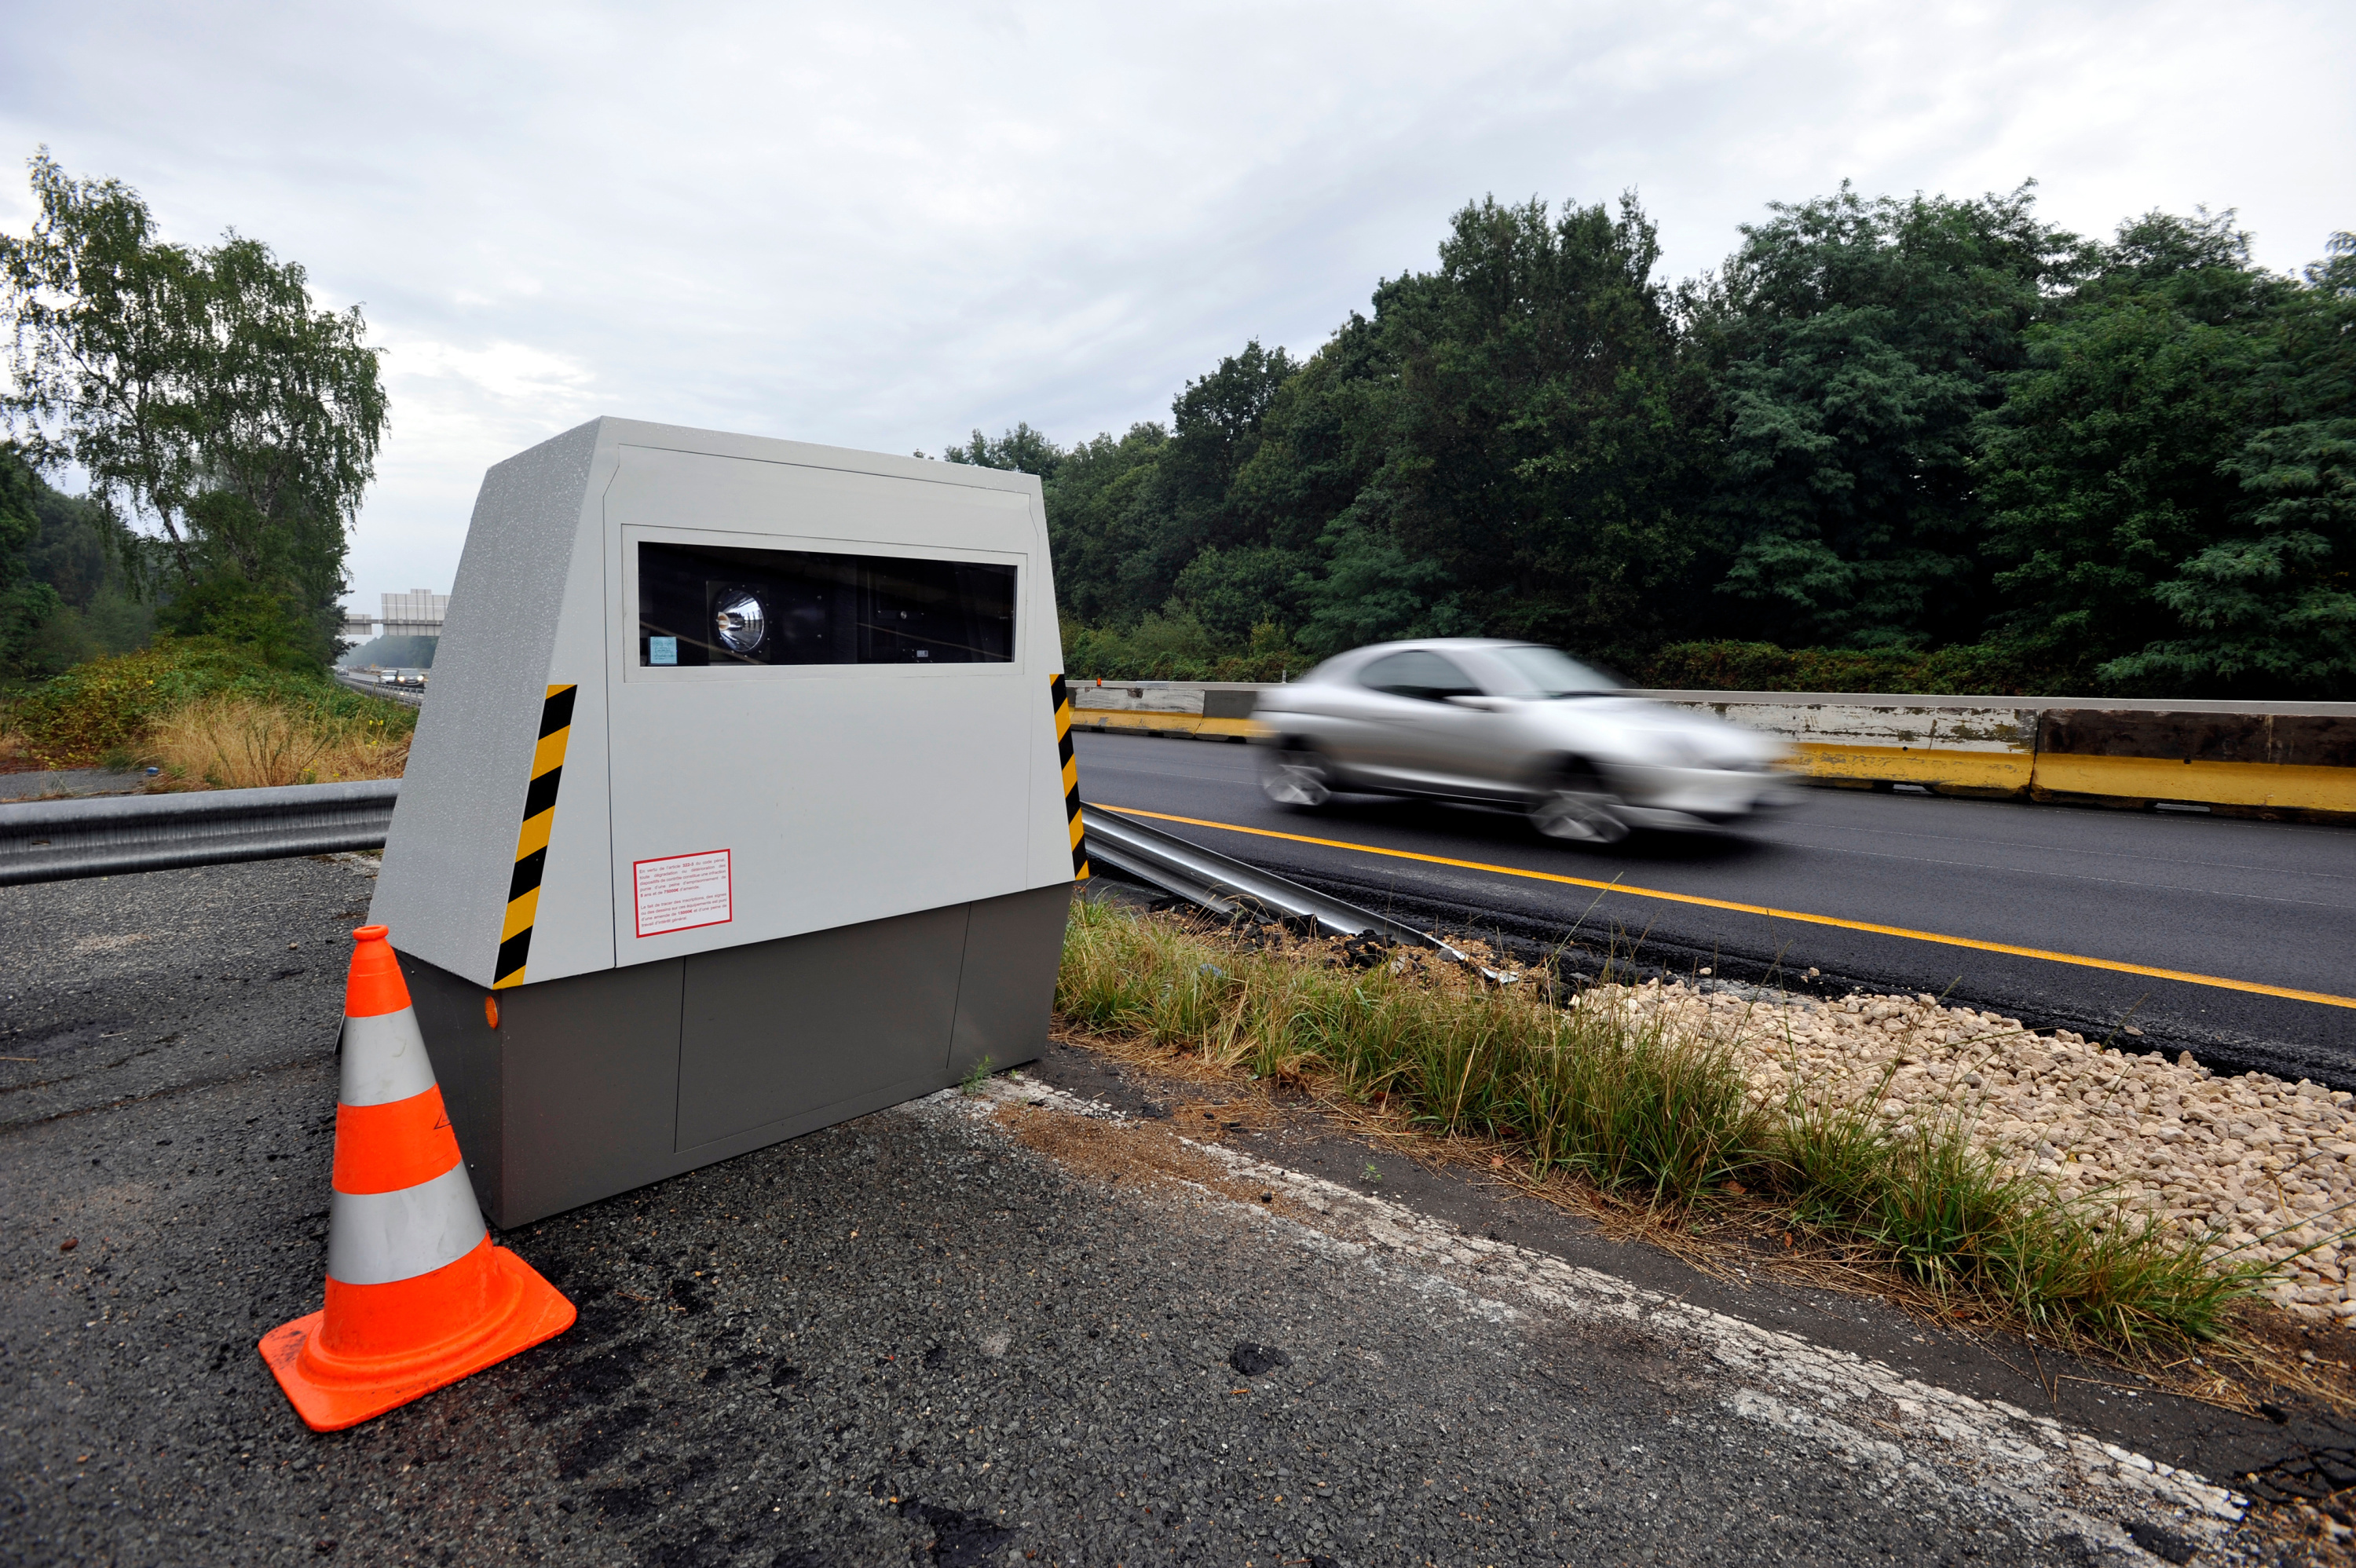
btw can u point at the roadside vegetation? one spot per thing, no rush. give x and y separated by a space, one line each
1659 1118
182 614
1914 444
206 712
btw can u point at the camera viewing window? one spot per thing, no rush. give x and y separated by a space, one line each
710 604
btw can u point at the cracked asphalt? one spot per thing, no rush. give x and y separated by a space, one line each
910 1339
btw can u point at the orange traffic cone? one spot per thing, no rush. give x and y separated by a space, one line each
417 1296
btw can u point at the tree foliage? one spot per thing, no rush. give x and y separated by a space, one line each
207 402
1939 440
26 602
2268 604
1858 343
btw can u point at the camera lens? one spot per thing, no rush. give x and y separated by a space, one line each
739 620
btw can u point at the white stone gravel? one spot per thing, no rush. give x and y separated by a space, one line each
2258 1166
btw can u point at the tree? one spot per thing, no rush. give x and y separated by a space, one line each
2109 465
199 391
26 602
1215 427
1021 449
1511 442
1103 516
1860 343
2270 609
1541 439
1922 428
63 593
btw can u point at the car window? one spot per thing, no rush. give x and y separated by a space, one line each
1549 672
1418 674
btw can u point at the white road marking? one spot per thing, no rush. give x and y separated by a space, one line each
2048 1475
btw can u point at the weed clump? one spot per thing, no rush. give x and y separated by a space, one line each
1648 1113
1947 1211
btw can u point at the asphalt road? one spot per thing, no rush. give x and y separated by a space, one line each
926 1338
2244 902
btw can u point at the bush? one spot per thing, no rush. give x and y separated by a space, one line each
1979 669
1176 647
100 711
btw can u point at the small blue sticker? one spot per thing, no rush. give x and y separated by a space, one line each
662 650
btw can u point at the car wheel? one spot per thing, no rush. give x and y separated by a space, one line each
1576 809
1297 778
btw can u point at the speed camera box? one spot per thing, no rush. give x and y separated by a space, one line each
741 804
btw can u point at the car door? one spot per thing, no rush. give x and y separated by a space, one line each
1420 740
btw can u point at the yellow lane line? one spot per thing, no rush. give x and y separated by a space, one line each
2254 987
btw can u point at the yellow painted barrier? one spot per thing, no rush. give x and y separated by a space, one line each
1933 766
2275 785
1136 723
1139 722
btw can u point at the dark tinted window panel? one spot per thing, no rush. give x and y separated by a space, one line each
701 605
1417 674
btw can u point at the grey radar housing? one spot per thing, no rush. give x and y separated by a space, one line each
742 803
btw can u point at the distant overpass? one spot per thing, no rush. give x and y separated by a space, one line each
417 613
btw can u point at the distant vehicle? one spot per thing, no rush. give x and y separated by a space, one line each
400 677
1515 725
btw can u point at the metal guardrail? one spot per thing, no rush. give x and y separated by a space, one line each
105 836
1224 885
410 696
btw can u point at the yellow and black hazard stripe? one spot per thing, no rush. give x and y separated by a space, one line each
532 838
1061 696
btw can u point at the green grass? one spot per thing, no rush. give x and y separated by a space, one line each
1647 1115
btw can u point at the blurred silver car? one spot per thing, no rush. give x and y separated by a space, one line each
1515 725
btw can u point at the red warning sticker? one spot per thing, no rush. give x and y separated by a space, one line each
681 892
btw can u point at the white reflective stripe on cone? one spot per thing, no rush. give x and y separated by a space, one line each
376 1238
384 1059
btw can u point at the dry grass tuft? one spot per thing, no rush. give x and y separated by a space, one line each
237 743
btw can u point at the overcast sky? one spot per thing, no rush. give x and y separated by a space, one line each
884 225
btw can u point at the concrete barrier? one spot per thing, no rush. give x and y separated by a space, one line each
1963 745
2295 759
1200 711
2287 758
2266 759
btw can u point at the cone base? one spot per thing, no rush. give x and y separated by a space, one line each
332 1392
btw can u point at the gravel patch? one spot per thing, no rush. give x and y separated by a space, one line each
2258 1165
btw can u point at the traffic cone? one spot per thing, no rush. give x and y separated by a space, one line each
417 1296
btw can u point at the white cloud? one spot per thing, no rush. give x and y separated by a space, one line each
882 227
